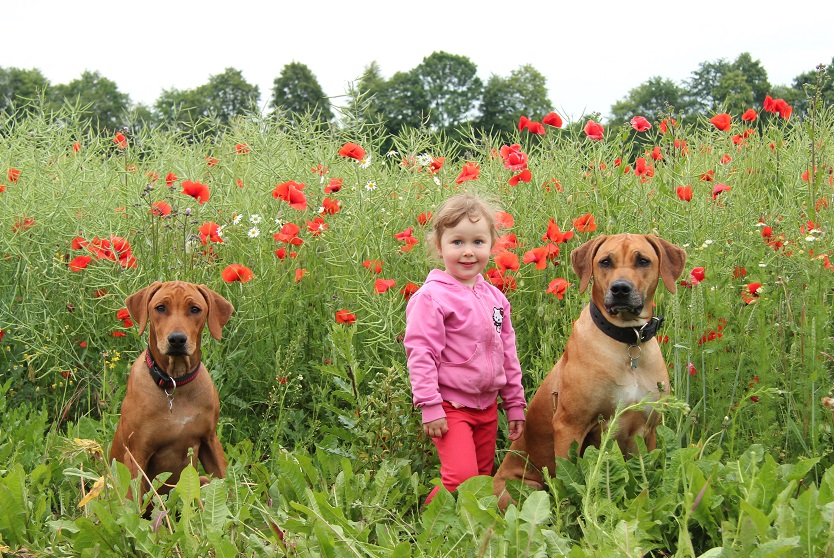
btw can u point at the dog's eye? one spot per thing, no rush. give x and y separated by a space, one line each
160 308
605 262
195 309
643 262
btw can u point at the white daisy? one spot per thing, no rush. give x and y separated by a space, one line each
365 163
424 160
236 218
436 180
254 218
371 185
254 232
392 154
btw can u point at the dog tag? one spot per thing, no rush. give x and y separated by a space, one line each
170 396
634 355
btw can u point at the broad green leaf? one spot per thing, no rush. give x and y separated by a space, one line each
188 485
536 508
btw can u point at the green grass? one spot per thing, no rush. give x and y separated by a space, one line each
316 416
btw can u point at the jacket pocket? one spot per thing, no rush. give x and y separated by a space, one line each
470 376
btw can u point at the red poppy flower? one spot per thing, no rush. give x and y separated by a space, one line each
122 314
514 158
691 369
751 293
585 223
424 218
749 115
373 265
505 242
407 238
241 148
506 260
353 151
291 192
656 153
726 159
767 232
553 119
697 275
503 220
22 225
13 175
436 164
299 274
209 232
330 207
334 185
684 192
170 179
739 272
554 234
76 147
160 209
196 190
80 262
535 128
78 243
316 226
2 188
523 176
522 122
211 161
119 334
718 188
722 121
708 176
382 285
120 140
501 280
558 287
640 123
537 256
289 235
783 108
345 317
98 293
642 168
470 171
236 272
665 123
594 130
408 290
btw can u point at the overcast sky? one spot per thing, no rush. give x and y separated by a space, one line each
592 53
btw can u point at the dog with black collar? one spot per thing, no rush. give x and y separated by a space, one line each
611 359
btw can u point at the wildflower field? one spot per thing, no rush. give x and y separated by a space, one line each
317 237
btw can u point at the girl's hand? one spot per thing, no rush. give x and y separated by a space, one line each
436 428
516 428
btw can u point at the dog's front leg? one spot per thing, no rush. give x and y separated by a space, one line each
212 457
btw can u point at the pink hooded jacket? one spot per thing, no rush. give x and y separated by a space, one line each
460 345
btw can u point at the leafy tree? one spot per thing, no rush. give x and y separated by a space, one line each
450 88
734 86
228 95
403 102
176 107
98 98
651 99
803 88
505 100
297 91
363 96
18 86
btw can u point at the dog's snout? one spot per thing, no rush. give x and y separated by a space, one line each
177 339
620 288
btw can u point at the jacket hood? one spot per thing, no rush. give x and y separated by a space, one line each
440 276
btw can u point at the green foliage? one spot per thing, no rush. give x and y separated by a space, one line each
297 92
97 100
506 99
316 417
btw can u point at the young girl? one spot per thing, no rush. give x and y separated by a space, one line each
460 345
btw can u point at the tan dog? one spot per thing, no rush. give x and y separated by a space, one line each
611 358
171 405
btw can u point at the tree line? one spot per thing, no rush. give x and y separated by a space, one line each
442 94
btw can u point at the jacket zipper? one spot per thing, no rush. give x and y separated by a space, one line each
489 346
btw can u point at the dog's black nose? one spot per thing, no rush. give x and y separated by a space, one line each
177 339
620 288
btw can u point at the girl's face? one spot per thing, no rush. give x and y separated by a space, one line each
465 249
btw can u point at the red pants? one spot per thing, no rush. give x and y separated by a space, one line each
468 448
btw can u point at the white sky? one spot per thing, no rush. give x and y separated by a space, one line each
592 53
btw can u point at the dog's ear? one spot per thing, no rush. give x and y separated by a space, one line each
137 304
219 311
582 260
672 261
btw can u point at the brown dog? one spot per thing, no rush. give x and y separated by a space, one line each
611 358
171 405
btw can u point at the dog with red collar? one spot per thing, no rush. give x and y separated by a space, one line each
170 411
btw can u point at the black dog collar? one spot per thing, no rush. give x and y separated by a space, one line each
162 379
629 335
